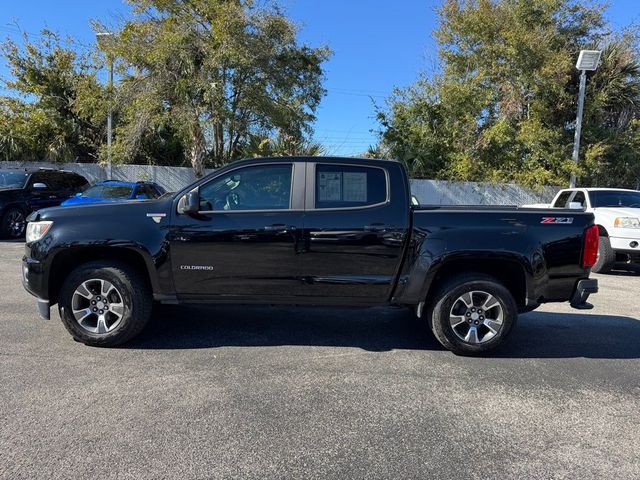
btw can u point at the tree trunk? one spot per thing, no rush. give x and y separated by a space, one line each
197 151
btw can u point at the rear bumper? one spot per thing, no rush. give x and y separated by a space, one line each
584 288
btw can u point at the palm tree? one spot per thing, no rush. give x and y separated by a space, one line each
282 146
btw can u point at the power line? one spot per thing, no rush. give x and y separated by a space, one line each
353 94
368 93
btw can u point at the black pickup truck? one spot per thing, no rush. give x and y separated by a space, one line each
319 231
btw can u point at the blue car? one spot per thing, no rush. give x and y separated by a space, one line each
115 191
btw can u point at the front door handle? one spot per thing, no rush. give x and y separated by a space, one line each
376 227
279 227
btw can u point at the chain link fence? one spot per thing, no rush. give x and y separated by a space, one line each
428 192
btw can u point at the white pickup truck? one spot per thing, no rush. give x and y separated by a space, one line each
617 213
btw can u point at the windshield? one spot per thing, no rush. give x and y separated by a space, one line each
107 191
613 198
13 179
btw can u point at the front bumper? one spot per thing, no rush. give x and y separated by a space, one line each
33 280
629 244
584 288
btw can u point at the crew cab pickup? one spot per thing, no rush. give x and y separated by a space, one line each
315 231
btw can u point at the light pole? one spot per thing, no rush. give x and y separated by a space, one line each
587 60
103 38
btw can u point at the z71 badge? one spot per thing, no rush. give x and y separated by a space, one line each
557 220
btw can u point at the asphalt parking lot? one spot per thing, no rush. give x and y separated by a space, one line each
248 392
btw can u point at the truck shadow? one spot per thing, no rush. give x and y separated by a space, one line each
625 270
538 334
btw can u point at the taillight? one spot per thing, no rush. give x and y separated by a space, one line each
590 250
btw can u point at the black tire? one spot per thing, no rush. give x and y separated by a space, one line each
606 256
132 291
13 223
447 297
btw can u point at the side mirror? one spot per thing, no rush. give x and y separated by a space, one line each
79 194
575 206
39 186
189 203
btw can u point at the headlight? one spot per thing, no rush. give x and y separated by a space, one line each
627 222
37 230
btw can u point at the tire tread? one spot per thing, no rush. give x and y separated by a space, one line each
140 295
441 295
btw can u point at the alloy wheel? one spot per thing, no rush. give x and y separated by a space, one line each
97 306
15 223
476 317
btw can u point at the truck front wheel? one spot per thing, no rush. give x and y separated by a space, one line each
472 314
104 303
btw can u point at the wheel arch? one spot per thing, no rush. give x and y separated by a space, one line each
69 259
509 272
602 231
16 204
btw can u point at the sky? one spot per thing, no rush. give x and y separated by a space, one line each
377 45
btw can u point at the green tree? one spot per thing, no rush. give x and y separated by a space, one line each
215 72
502 108
56 103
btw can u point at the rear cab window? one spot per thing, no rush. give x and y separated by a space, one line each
347 186
563 199
579 198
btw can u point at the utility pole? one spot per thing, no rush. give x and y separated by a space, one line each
576 139
103 38
110 119
587 60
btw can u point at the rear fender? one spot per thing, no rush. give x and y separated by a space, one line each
434 264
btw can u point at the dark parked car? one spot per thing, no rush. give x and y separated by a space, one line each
315 231
116 191
24 191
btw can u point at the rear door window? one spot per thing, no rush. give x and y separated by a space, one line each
347 186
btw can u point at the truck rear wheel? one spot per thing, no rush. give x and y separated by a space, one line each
606 256
472 314
104 304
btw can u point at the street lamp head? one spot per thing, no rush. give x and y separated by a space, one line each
104 38
588 60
